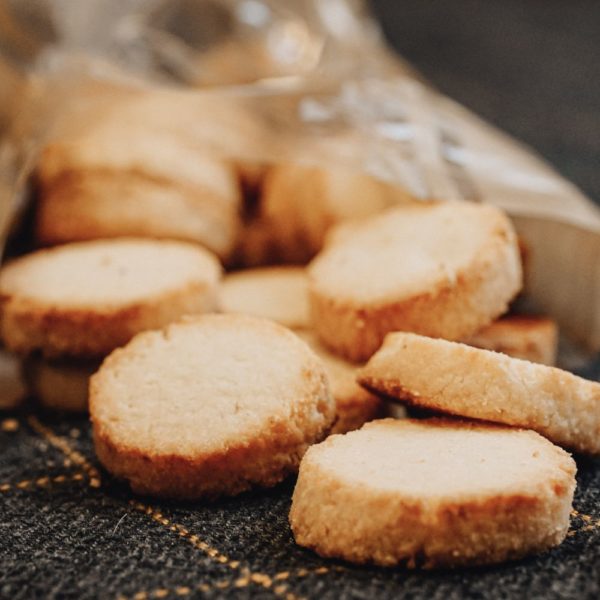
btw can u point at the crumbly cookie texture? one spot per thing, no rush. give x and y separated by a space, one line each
433 493
277 293
355 406
455 378
59 385
209 406
444 270
85 299
530 338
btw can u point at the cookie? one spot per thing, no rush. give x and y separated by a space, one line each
59 385
455 378
302 202
277 293
146 164
530 338
433 493
209 406
85 299
354 405
444 270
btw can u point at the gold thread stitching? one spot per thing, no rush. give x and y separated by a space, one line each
41 482
62 444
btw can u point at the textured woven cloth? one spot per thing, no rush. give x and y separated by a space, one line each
68 530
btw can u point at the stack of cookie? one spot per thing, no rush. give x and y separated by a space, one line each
404 304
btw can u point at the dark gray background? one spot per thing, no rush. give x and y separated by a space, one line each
531 67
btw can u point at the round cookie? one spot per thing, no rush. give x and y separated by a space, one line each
59 385
209 406
455 378
444 270
85 299
277 293
354 404
158 164
302 202
433 493
527 337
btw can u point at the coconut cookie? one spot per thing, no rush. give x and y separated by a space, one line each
85 299
148 164
433 493
444 270
354 404
530 338
458 379
59 385
209 406
277 293
302 202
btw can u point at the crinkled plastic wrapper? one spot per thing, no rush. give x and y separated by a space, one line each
301 81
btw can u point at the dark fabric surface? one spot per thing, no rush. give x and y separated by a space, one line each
68 530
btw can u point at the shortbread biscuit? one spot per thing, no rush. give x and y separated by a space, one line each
209 406
530 338
276 293
455 378
354 405
60 385
146 164
433 493
302 202
85 299
444 270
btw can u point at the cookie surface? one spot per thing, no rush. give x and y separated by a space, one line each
455 378
530 338
355 406
432 493
210 406
85 299
444 270
277 293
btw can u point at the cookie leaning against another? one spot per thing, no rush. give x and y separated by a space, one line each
457 379
444 270
433 493
209 406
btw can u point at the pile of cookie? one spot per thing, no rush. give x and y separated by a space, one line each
203 381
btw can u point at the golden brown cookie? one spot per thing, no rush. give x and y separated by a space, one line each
433 493
444 270
85 299
277 293
209 406
530 338
455 378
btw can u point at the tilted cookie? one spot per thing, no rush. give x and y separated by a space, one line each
458 379
59 385
209 406
354 405
277 293
433 493
85 299
530 338
444 270
302 202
